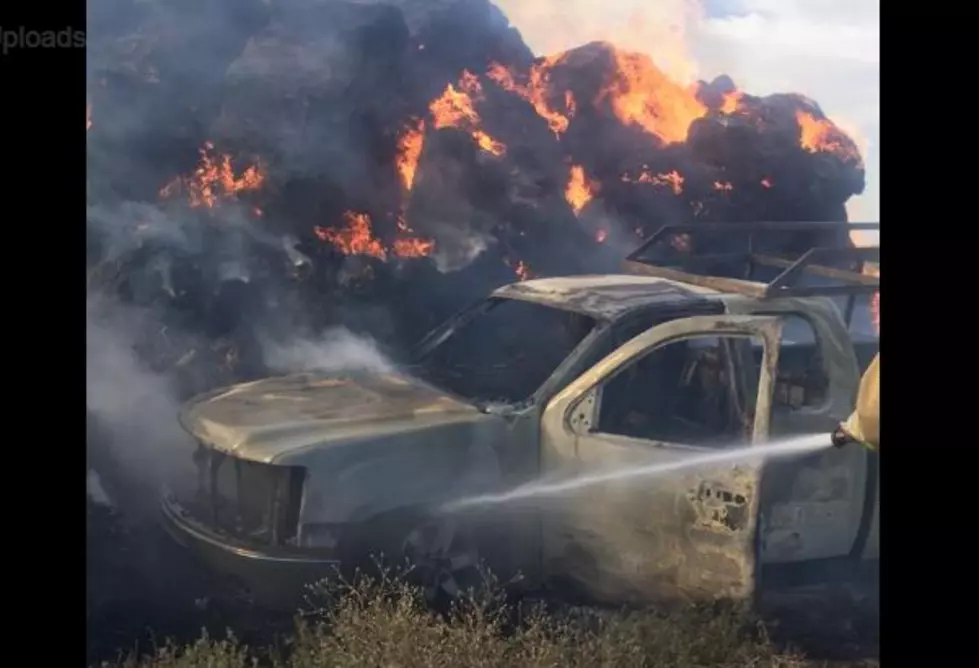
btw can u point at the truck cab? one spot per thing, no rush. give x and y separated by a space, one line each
553 378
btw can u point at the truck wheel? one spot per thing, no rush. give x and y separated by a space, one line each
444 560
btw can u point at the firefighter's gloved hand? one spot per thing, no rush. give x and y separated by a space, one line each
839 438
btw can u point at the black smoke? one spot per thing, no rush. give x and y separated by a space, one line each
319 91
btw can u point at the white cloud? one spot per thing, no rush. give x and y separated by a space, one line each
828 50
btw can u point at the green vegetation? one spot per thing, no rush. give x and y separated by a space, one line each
385 622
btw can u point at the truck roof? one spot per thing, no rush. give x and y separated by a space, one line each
605 296
609 296
675 274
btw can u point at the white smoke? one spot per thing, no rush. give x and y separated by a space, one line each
95 490
134 407
337 350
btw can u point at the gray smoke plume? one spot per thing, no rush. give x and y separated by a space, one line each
133 407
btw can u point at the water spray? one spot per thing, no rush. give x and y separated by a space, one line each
792 446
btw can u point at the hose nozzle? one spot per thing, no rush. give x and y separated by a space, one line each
839 438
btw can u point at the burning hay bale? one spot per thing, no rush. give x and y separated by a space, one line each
288 165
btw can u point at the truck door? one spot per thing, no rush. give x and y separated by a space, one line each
817 507
685 388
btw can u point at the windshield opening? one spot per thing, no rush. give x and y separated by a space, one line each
504 352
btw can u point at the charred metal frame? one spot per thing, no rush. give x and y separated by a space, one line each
437 336
786 283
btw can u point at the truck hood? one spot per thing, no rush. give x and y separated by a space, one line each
267 419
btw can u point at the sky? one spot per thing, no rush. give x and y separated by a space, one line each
828 50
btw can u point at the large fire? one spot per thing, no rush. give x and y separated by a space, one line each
410 146
671 179
634 90
214 180
537 91
408 245
455 109
643 96
731 102
594 84
821 136
580 189
356 237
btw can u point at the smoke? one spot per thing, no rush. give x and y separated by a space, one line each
337 350
96 492
133 407
462 249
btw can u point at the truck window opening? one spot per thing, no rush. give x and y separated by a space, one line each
800 380
505 353
690 392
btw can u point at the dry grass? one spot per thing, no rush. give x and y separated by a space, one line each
384 622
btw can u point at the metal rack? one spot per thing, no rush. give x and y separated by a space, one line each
681 266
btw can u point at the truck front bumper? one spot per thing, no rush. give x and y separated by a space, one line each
275 577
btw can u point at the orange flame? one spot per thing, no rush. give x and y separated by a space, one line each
822 136
731 102
579 190
214 179
411 246
724 186
455 109
536 91
489 144
410 146
356 237
642 95
673 179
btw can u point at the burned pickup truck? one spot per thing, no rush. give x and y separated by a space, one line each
302 473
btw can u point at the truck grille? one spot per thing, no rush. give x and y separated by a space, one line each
252 501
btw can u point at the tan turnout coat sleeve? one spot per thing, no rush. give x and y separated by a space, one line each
864 424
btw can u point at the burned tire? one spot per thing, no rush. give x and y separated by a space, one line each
444 560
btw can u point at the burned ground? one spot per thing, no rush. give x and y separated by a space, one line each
260 171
